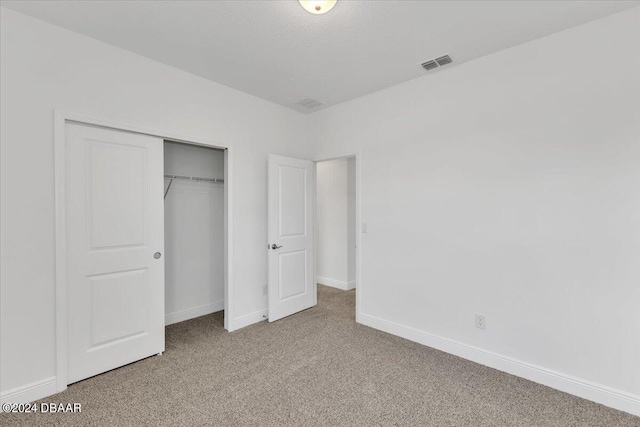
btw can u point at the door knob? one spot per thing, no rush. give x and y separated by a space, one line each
274 246
157 255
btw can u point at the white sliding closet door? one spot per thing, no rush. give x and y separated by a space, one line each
115 238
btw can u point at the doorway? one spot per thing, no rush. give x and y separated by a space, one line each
292 236
336 223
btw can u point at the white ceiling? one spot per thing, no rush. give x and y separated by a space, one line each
277 51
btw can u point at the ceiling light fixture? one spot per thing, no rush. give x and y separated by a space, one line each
318 7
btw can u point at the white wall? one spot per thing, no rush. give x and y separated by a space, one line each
44 67
194 233
509 186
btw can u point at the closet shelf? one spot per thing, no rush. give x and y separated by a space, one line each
193 178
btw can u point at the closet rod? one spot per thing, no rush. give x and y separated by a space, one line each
189 178
194 178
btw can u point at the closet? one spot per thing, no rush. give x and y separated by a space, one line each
194 231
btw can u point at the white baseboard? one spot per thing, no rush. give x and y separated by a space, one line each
587 390
30 392
247 319
345 286
181 316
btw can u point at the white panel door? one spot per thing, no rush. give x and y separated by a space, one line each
115 238
291 185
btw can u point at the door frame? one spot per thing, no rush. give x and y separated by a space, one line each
61 118
358 156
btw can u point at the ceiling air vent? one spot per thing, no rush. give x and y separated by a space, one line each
444 60
309 103
429 65
438 62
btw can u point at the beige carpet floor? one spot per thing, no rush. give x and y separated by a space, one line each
316 368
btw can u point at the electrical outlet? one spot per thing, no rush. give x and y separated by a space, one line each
481 321
365 229
265 290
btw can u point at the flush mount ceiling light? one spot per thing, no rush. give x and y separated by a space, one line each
318 7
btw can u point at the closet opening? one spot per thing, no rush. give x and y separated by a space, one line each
194 224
